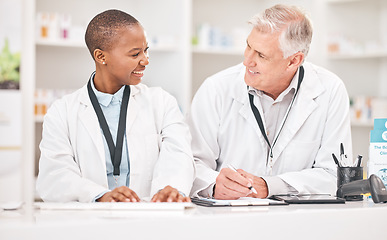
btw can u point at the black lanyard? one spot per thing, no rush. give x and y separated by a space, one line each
115 151
259 119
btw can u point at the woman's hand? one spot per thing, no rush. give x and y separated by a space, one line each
169 194
120 194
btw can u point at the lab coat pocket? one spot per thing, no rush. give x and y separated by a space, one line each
300 155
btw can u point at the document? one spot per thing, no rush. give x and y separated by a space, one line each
114 206
244 201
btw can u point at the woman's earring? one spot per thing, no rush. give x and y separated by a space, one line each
103 63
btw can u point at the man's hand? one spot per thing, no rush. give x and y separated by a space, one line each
120 194
169 194
231 185
258 183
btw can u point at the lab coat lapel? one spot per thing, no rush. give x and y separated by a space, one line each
303 106
89 120
241 95
133 108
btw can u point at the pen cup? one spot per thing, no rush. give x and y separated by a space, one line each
349 174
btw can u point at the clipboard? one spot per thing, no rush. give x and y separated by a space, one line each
246 201
309 199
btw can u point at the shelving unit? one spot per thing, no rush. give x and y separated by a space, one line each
364 71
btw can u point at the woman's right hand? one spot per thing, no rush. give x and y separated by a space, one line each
120 194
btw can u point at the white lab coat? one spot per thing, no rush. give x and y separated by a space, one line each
225 131
72 164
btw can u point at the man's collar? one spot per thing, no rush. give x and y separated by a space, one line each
292 85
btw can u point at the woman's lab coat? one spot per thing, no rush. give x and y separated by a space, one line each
225 131
72 164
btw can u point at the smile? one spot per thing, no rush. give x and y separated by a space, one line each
252 72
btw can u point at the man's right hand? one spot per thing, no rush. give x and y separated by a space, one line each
231 185
120 194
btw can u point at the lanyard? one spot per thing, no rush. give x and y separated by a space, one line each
259 119
115 151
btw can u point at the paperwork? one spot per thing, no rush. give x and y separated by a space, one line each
113 206
245 201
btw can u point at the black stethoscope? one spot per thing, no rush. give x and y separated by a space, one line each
257 116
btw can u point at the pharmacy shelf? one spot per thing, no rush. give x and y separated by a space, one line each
365 124
370 55
352 1
39 119
343 1
60 43
218 51
81 44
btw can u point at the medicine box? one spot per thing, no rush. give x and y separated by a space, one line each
377 163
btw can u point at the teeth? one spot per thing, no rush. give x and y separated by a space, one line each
252 72
135 72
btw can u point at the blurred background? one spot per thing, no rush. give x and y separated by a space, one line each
189 40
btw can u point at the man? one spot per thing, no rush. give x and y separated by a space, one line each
275 118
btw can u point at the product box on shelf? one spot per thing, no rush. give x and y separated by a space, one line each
377 163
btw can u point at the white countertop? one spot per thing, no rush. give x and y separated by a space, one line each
352 220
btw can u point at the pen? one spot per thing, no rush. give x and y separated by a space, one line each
335 159
359 157
234 169
341 152
343 156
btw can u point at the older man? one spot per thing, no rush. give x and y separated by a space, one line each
275 118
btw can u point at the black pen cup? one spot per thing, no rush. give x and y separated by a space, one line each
349 174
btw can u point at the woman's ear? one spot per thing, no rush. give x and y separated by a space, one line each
99 56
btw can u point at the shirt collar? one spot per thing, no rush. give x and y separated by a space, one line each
289 89
106 98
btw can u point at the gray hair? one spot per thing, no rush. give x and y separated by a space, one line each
295 27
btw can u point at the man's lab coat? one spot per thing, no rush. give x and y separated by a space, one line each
72 164
225 131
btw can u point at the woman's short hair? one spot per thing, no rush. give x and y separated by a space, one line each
103 29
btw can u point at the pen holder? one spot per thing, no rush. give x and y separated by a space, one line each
349 174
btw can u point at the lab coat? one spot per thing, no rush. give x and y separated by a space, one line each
225 131
72 165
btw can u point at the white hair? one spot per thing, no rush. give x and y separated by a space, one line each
295 27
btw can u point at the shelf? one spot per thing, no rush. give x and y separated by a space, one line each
60 43
218 51
351 1
382 54
81 44
365 124
343 1
39 119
